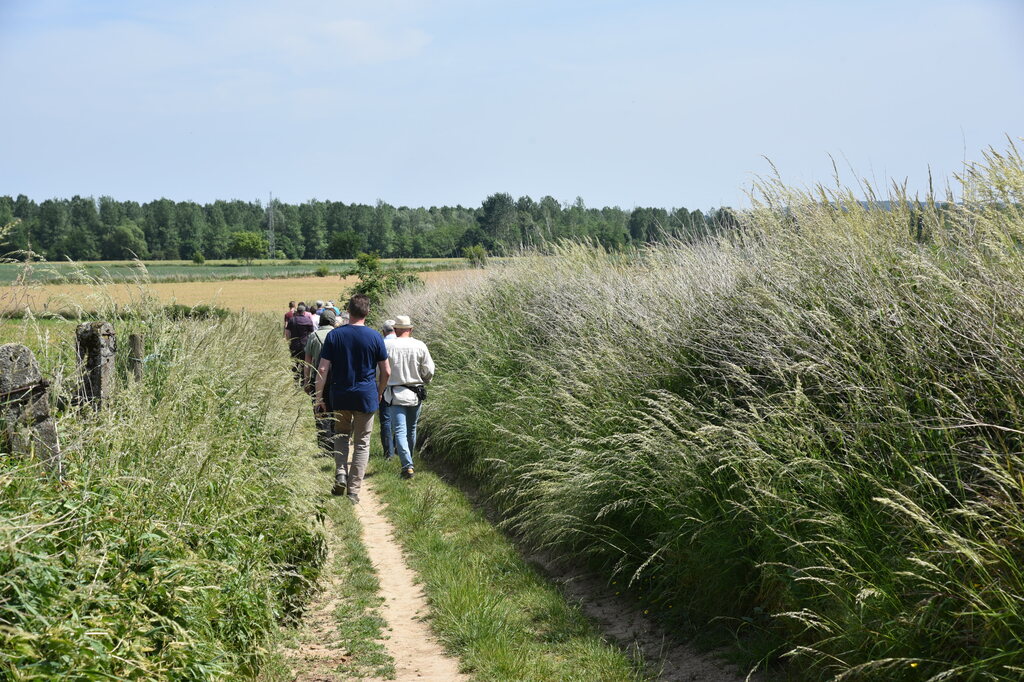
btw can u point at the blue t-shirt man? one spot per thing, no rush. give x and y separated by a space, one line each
354 351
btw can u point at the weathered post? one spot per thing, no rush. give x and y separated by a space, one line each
95 344
136 347
27 427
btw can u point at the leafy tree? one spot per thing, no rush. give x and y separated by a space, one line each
161 229
190 219
217 233
112 212
346 244
499 221
381 236
248 245
314 229
125 241
52 226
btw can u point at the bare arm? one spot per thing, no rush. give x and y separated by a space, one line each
321 378
383 374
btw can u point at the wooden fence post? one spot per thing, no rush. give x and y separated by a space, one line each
27 427
95 344
136 346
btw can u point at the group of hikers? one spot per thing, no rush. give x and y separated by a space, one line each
353 372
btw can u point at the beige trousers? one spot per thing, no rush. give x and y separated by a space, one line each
356 427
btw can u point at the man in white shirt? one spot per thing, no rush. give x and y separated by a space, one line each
411 368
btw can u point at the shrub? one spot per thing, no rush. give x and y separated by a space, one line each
376 282
476 255
322 271
198 258
179 311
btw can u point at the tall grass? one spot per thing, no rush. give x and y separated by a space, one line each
183 532
809 431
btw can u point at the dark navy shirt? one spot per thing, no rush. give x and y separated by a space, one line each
354 351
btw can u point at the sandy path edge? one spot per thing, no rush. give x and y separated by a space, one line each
417 654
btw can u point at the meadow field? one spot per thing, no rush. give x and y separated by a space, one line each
187 271
803 439
251 295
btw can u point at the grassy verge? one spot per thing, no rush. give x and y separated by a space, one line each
488 606
808 430
186 527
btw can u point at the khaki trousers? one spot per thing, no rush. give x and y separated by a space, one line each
356 427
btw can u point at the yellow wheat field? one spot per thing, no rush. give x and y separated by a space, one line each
251 295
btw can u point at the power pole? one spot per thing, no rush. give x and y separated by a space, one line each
270 229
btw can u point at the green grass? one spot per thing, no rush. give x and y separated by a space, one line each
488 607
186 271
37 333
808 432
186 527
361 628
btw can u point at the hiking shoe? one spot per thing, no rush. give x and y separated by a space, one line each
353 498
407 472
339 487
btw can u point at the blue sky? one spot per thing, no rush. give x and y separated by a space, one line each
431 102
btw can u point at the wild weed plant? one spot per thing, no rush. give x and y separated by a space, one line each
183 532
808 430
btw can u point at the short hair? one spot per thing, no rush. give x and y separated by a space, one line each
291 304
301 308
359 306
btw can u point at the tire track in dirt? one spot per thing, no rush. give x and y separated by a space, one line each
417 654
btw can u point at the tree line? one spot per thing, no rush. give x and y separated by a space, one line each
85 228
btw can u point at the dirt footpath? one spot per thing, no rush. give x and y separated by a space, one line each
417 654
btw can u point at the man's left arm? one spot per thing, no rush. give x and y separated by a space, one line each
383 374
321 378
